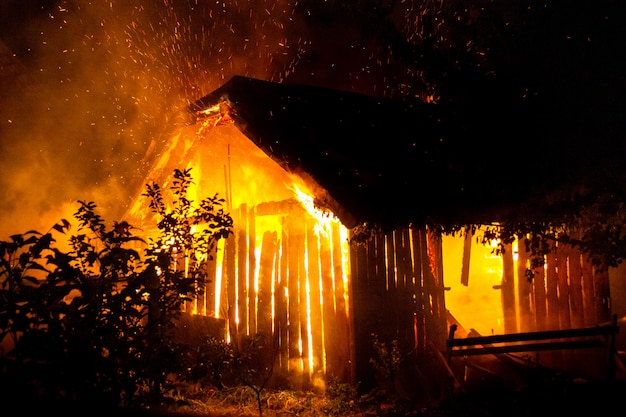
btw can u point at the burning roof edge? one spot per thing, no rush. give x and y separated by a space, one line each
362 151
218 107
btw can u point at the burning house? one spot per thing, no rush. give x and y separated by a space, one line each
302 169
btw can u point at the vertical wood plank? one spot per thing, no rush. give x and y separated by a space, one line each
440 312
230 279
300 231
575 286
315 300
421 273
293 301
242 270
403 297
210 285
508 290
427 283
527 323
361 313
551 321
333 364
295 355
603 302
343 311
266 276
280 319
540 299
552 312
387 282
467 253
252 272
589 295
563 287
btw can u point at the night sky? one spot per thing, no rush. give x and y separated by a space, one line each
90 91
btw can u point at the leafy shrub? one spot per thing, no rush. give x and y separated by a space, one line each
96 322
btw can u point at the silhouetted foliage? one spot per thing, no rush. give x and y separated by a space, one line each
96 322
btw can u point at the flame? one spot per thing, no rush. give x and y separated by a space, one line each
480 297
270 206
218 276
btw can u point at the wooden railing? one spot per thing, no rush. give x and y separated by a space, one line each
601 336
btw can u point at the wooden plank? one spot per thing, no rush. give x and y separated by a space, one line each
334 366
428 277
551 294
266 277
360 309
421 271
242 270
207 307
315 296
509 309
380 274
467 253
382 271
300 232
429 288
557 358
281 322
403 257
575 287
345 349
404 291
410 291
588 291
230 278
252 272
524 289
295 357
563 287
540 297
438 295
603 298
387 287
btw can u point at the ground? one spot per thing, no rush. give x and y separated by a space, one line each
555 399
535 392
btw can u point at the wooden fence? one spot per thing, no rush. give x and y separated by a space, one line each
567 293
397 295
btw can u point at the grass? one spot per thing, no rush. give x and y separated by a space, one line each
241 402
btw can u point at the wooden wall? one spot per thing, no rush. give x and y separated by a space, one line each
282 277
318 300
397 294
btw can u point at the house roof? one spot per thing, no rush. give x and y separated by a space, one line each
393 163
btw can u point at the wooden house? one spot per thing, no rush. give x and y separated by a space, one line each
303 169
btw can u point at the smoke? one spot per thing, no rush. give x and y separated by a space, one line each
93 89
98 92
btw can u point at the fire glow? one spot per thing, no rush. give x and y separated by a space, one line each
285 270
